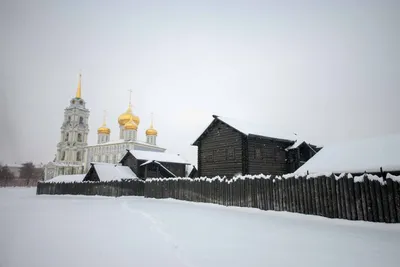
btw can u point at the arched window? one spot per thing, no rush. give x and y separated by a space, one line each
81 120
63 155
78 156
66 137
79 137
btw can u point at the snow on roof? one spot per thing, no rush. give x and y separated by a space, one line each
357 156
295 145
147 162
162 166
67 178
112 172
158 156
261 129
14 165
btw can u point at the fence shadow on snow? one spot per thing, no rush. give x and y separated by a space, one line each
366 197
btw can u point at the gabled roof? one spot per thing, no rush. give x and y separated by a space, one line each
248 128
357 156
157 156
112 172
159 164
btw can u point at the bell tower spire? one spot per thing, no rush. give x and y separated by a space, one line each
78 90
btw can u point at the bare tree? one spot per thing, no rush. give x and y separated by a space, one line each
27 172
6 176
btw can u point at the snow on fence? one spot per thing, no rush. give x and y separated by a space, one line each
366 197
110 188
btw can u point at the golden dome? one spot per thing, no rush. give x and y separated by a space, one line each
130 125
136 119
125 117
103 130
151 131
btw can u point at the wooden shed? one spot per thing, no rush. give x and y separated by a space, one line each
149 164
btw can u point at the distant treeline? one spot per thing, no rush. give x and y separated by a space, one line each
28 175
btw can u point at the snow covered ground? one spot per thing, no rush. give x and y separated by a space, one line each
132 231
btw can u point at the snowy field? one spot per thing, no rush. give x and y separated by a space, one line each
48 231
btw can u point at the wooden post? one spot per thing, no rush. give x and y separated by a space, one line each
267 193
385 203
358 201
289 204
335 212
346 192
303 192
308 195
391 201
353 210
262 194
379 204
296 197
371 201
396 197
329 196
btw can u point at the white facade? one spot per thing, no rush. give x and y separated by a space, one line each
71 148
112 152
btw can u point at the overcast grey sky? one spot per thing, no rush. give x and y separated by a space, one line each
330 71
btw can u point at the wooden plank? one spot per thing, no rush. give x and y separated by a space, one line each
358 201
324 196
306 209
391 201
396 196
379 204
342 199
385 203
353 209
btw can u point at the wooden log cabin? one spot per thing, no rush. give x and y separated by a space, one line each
149 164
229 147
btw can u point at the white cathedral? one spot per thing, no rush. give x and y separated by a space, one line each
74 155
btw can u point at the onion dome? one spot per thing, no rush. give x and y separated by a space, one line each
130 125
127 116
104 129
151 130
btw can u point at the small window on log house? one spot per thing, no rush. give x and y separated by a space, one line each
230 153
258 153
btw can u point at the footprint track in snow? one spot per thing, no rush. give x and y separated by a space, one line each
157 226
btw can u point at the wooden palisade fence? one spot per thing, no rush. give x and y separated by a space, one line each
367 197
112 188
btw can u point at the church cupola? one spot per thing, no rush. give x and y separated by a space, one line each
103 132
151 133
130 131
125 117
